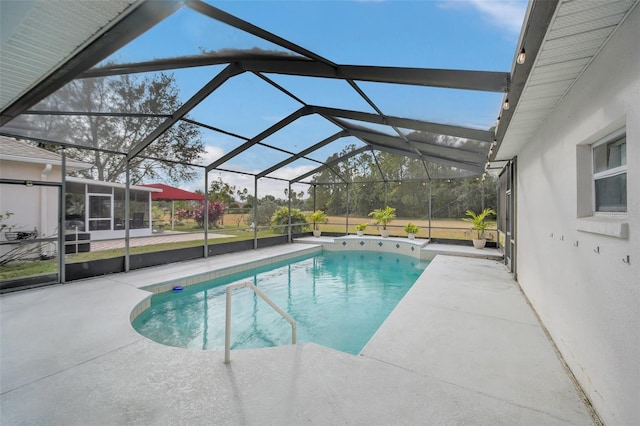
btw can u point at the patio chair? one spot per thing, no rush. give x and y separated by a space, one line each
138 221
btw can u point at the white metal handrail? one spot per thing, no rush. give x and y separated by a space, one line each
227 329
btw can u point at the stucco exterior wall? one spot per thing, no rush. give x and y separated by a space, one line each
32 207
586 295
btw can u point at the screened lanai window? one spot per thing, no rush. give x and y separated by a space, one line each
610 173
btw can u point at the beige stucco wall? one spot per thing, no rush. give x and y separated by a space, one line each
33 207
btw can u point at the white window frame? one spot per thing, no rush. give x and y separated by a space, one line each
98 219
616 171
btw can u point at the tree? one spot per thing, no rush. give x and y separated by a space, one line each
123 94
331 194
454 190
266 208
220 190
242 194
297 199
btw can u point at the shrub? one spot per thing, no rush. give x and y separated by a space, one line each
216 211
383 216
410 228
280 220
318 217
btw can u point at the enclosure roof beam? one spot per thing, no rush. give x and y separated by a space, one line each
138 21
363 132
222 16
107 151
190 61
215 129
407 123
280 88
95 114
130 114
447 162
426 169
489 81
331 163
366 98
453 154
230 71
301 154
265 134
337 174
375 158
368 136
375 107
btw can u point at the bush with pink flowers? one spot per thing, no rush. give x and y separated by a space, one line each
216 211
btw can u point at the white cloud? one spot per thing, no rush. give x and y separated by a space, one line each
277 187
265 186
507 14
212 153
293 172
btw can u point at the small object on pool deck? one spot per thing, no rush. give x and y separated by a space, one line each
178 289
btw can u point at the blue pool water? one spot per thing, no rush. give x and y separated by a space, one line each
338 299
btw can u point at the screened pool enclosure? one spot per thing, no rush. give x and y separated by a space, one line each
142 103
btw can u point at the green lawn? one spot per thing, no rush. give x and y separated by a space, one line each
446 229
36 267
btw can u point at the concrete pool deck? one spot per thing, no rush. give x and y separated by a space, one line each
462 347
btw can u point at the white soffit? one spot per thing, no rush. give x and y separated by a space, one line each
579 30
39 36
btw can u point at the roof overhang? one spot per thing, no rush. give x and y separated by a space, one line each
70 165
110 184
46 44
561 39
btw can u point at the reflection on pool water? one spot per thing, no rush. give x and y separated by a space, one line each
338 299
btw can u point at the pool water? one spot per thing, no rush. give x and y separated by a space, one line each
338 299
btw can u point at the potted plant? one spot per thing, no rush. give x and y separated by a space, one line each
360 228
479 225
411 230
383 217
318 217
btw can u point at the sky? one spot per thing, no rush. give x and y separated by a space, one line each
460 34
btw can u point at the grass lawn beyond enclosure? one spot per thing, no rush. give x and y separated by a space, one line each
236 229
454 229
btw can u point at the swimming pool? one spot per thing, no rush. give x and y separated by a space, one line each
338 299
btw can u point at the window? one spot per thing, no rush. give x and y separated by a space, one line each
610 173
99 212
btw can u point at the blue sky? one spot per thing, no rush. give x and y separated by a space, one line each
462 34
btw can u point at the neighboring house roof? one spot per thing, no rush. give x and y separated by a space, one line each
171 193
111 184
15 150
